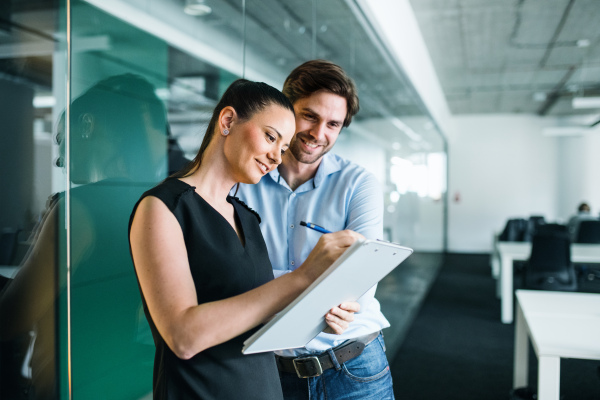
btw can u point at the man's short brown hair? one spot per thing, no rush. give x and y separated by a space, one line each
316 75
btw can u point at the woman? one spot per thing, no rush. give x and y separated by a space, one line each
202 263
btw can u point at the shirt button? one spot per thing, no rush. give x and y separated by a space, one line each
293 194
292 226
292 263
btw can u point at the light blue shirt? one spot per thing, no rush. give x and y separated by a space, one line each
341 195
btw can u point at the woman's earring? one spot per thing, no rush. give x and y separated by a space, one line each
87 125
225 132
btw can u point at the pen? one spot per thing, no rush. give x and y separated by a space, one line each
314 227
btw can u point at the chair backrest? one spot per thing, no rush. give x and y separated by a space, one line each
514 230
549 266
550 251
552 228
588 231
533 223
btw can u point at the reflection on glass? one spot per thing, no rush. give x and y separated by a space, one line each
29 36
118 150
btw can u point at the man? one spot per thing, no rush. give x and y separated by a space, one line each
583 214
313 185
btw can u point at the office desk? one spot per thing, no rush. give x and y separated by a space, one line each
559 325
507 252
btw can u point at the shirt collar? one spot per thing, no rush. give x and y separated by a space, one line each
329 165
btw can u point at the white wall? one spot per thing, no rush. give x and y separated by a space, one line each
500 166
579 161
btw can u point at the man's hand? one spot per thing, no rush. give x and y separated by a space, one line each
338 318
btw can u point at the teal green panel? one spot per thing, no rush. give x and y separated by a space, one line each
118 149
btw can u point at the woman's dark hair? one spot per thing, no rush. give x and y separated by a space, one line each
125 107
247 98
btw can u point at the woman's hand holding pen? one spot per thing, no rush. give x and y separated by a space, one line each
329 247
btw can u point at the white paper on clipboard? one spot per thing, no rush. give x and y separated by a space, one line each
357 270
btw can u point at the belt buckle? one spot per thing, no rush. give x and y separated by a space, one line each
308 360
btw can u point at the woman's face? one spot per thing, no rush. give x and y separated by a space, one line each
254 147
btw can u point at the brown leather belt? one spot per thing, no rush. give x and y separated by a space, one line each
313 365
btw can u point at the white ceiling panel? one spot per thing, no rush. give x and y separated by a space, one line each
505 56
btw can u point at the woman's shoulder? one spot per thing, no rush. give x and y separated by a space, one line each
170 191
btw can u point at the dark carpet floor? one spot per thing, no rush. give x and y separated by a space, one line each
457 348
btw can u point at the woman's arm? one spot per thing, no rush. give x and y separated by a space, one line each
160 260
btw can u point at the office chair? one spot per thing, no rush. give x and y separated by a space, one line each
514 230
588 231
549 266
533 223
545 228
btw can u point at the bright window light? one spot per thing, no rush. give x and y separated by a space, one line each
44 101
436 169
424 174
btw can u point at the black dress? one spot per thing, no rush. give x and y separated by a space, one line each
221 267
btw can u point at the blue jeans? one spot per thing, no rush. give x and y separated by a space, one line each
366 377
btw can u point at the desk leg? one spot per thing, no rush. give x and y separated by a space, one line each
549 378
499 287
495 262
506 288
521 356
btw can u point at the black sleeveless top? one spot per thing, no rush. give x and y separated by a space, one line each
221 267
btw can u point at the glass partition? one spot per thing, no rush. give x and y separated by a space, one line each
139 105
393 136
117 150
102 100
33 323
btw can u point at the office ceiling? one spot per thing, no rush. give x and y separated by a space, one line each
491 56
280 33
513 56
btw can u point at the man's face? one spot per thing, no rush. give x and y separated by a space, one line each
319 120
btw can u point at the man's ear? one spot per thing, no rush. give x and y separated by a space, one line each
227 118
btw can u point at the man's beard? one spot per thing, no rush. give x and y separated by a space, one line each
301 156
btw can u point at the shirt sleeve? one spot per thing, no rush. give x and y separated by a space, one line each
365 216
365 212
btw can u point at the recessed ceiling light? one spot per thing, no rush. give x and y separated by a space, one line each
44 101
564 131
583 43
586 102
197 8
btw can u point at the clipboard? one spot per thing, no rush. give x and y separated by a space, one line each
356 271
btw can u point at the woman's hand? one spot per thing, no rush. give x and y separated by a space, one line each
328 249
339 318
